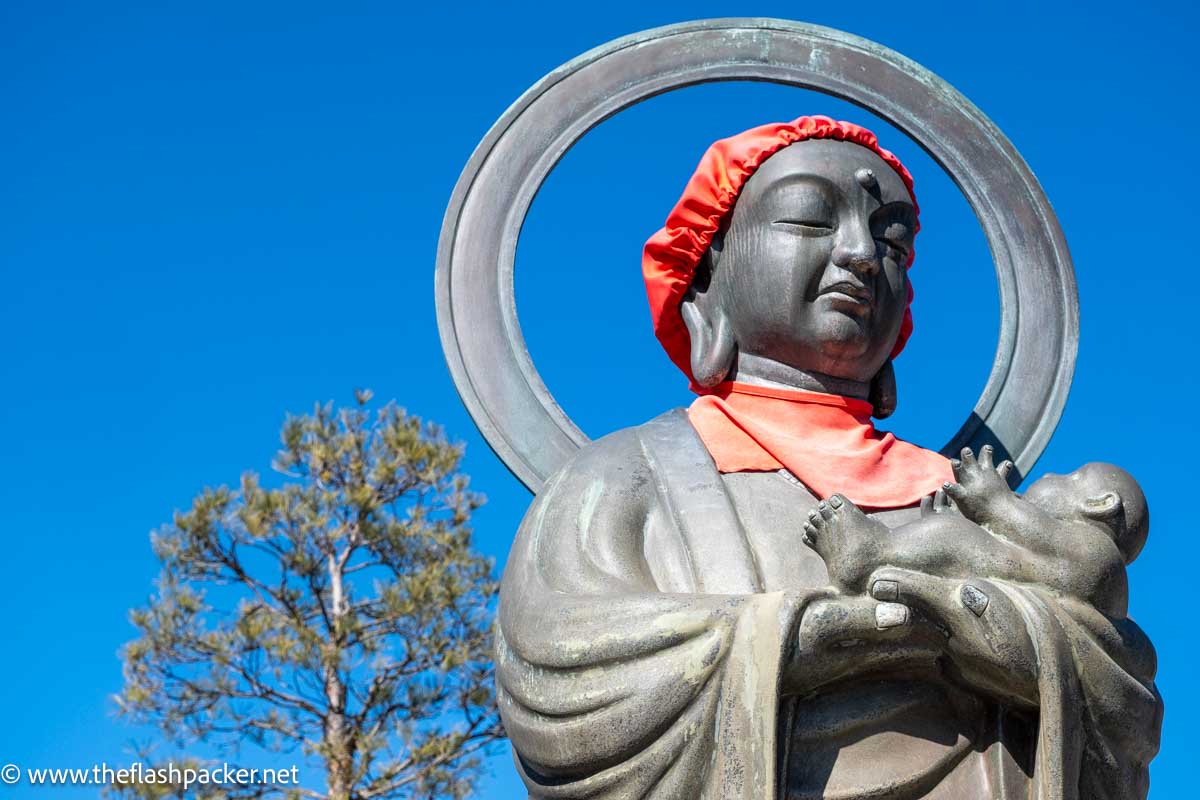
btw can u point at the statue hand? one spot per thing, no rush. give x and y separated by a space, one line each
983 632
979 482
844 636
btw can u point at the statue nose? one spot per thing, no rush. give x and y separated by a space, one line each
856 251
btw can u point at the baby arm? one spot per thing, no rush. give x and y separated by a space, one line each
983 496
1070 556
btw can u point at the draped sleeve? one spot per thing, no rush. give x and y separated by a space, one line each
1100 713
636 656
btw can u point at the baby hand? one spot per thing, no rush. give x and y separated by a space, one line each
979 483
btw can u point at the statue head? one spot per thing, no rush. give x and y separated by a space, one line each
1100 494
805 272
809 271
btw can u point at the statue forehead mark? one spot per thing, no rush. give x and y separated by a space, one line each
866 178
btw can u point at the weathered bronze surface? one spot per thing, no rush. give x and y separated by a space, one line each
664 632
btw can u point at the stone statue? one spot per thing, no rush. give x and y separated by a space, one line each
763 597
663 634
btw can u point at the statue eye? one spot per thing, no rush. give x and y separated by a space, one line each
815 227
803 208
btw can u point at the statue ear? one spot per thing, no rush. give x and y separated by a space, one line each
1107 508
713 347
883 391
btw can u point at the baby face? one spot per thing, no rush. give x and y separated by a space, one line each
1067 496
1057 495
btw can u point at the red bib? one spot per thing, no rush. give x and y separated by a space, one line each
826 441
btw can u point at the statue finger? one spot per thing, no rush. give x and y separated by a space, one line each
840 637
1005 468
891 615
937 597
847 621
967 457
946 600
985 456
984 632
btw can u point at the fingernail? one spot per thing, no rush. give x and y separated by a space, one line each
835 501
975 600
890 615
885 590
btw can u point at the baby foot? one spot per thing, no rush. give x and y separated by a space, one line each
846 538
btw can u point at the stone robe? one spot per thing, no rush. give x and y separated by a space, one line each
648 610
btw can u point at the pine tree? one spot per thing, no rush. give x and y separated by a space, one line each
342 615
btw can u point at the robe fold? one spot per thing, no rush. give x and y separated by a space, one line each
641 641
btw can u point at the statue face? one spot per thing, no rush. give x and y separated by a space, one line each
1064 496
810 272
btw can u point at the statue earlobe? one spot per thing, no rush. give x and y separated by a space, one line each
712 344
712 356
883 391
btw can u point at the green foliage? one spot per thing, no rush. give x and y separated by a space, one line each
342 615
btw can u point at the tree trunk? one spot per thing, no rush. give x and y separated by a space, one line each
339 765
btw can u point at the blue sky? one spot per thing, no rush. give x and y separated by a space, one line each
214 214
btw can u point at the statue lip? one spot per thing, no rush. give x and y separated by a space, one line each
855 292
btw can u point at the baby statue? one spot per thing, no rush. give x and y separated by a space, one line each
1071 533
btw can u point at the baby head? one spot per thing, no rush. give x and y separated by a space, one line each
1101 495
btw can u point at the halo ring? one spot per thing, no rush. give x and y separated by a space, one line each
476 309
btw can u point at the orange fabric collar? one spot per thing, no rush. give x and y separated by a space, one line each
826 441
